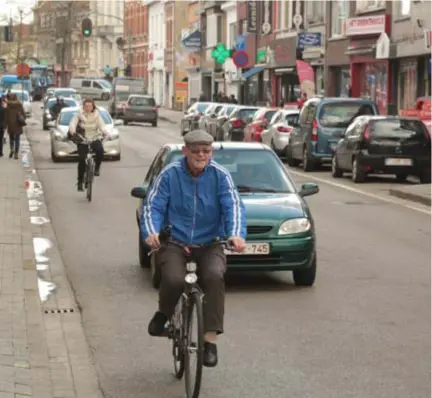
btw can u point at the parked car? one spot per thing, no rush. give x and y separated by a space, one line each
216 128
210 115
25 98
259 123
60 92
47 115
140 108
280 227
278 133
192 116
322 122
62 148
233 129
122 88
384 145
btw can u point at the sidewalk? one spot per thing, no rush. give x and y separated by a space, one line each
43 350
420 193
170 115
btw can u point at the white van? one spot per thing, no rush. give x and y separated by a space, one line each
93 88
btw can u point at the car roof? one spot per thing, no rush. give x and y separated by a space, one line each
141 95
341 99
76 108
390 117
254 146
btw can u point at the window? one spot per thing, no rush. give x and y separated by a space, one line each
219 28
86 83
315 11
367 5
292 119
341 114
339 15
403 8
399 128
96 85
232 34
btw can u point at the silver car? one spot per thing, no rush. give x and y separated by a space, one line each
24 98
280 127
210 115
62 148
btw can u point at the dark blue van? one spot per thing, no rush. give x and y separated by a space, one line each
322 122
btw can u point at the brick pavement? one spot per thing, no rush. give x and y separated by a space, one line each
43 350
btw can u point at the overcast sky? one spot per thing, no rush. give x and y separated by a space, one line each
12 7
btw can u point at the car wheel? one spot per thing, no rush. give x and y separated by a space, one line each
307 162
143 251
306 277
335 170
401 177
105 97
154 124
289 157
125 122
358 175
155 271
425 177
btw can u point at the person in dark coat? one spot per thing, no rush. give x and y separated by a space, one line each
2 122
14 109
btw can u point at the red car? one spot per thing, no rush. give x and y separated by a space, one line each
259 123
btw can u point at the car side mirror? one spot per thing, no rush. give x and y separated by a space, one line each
139 192
51 124
308 189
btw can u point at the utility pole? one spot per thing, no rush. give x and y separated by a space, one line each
65 36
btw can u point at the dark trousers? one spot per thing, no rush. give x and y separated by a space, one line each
1 139
14 142
97 148
211 263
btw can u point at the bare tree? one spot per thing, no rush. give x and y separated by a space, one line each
64 30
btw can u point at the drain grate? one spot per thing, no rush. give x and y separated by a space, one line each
60 311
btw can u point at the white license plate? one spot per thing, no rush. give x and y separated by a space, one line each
398 162
257 249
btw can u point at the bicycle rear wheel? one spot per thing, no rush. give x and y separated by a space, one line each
89 179
193 311
178 338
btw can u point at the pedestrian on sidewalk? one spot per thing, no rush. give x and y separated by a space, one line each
15 120
2 122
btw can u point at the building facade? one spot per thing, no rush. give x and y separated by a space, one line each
231 75
410 52
156 52
135 36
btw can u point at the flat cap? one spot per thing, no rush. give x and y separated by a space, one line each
198 137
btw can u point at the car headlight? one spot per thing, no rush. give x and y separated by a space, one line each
295 226
48 115
59 136
114 135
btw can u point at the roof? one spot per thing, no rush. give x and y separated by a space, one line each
253 146
76 108
340 99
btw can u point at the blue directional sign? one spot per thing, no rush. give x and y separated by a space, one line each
309 39
240 43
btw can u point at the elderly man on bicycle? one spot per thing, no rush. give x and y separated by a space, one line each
199 199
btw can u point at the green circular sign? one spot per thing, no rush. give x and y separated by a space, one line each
220 53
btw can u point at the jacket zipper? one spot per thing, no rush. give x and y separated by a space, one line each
194 211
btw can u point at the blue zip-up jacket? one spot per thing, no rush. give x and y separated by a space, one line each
199 209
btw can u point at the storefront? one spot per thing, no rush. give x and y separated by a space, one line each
313 51
338 79
372 75
282 65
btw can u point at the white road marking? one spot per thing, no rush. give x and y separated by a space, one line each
360 192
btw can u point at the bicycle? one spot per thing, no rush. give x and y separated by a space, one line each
179 328
90 166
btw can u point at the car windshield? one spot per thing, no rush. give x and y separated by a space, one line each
142 101
202 107
67 101
399 128
269 114
64 93
246 112
341 114
66 117
292 118
23 97
251 170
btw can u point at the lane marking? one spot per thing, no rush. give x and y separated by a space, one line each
360 192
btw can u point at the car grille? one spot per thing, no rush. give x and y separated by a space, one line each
258 229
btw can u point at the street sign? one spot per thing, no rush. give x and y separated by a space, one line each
220 53
240 58
240 43
22 70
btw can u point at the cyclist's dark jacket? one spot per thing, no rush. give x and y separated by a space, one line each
199 209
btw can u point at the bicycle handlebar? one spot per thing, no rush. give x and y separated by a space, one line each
86 141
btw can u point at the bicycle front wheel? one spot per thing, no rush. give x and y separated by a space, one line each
194 345
89 179
178 338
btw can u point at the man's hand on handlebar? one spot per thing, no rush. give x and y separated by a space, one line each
153 241
238 244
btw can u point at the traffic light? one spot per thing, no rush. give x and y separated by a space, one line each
86 27
8 33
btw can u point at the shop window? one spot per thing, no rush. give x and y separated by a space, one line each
407 84
315 11
403 8
339 15
375 85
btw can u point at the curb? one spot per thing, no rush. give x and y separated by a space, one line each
410 196
65 341
165 119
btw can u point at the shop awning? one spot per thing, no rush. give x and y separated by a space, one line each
252 72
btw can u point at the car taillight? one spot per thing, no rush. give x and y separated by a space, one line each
259 128
155 108
367 132
314 130
283 129
237 123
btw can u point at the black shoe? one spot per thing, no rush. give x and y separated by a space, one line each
80 187
97 172
11 155
156 326
210 355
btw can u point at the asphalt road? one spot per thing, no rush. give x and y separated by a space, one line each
362 331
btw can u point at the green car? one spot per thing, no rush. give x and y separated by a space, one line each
280 227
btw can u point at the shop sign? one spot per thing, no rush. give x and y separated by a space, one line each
309 39
370 25
283 52
383 47
252 16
